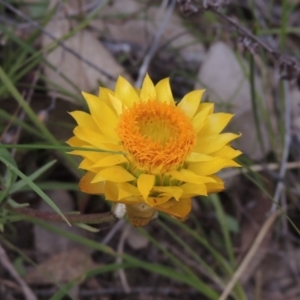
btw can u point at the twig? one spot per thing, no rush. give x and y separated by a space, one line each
287 63
154 44
259 168
119 259
72 218
113 231
4 260
244 264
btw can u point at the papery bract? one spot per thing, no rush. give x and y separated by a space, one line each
158 154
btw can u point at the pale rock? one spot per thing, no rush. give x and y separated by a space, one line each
131 21
222 74
136 240
62 267
83 76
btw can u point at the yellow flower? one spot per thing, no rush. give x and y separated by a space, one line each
161 154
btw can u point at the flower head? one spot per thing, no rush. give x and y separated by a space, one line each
157 154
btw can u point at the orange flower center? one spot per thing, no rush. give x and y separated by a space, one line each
158 136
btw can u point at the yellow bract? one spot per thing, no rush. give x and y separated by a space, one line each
157 154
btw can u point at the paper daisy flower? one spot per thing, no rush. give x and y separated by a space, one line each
158 154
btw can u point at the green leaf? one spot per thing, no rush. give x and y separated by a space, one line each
10 177
150 267
215 200
21 183
57 147
15 204
232 224
87 227
19 265
34 187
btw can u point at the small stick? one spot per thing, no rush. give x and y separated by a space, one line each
253 250
4 260
72 218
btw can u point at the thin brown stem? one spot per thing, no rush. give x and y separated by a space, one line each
71 217
6 263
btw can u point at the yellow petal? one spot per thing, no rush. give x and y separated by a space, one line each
109 132
206 105
125 92
122 193
174 191
111 191
94 138
117 104
93 102
74 141
195 157
215 123
86 185
126 190
179 209
97 140
148 90
192 190
211 167
138 91
86 164
110 160
104 95
216 187
114 174
213 143
188 176
190 102
227 152
163 91
84 119
93 156
154 201
131 200
200 118
114 147
104 92
103 115
145 183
